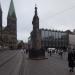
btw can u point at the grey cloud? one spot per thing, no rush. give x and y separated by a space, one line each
47 10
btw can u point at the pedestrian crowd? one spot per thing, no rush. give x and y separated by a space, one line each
71 57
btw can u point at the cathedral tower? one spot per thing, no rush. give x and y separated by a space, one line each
11 19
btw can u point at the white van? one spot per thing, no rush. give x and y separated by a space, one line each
51 49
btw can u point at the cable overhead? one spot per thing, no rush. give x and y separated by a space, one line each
63 11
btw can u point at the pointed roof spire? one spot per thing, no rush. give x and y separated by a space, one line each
11 12
35 10
0 7
35 18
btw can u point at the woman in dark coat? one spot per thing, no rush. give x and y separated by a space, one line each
71 61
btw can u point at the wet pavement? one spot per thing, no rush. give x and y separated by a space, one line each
18 63
54 65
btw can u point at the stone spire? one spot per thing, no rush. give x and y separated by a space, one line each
0 9
0 6
11 12
35 21
35 10
0 16
11 19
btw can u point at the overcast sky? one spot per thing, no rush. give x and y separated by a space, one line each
53 14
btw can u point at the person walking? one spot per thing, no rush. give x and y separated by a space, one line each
50 52
71 61
61 53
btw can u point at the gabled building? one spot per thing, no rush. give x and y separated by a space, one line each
9 33
54 39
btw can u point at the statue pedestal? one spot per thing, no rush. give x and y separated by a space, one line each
37 54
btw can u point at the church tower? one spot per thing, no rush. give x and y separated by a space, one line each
11 19
36 40
0 17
